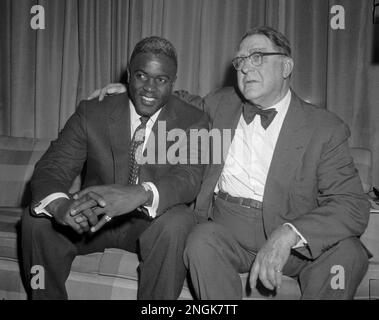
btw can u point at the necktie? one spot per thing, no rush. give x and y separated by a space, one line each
135 152
267 115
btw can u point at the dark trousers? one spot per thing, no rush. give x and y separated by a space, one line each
217 251
160 244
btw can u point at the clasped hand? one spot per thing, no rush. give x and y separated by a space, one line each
108 200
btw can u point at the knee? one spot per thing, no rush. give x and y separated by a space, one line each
200 242
33 227
352 255
176 222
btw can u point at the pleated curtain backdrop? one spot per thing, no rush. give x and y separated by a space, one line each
86 44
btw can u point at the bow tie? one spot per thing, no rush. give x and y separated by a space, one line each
267 115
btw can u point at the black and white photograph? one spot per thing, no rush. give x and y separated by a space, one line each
189 155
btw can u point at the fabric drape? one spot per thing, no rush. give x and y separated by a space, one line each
86 44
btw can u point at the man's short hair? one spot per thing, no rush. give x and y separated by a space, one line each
157 46
279 40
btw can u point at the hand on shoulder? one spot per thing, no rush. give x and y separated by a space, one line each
110 89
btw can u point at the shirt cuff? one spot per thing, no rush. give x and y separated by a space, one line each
152 210
40 207
302 242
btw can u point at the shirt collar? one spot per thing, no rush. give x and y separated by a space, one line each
134 116
282 105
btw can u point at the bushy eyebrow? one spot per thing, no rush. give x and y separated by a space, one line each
252 50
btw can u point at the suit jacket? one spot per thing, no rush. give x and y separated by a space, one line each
97 139
312 181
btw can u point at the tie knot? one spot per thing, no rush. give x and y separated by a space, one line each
144 119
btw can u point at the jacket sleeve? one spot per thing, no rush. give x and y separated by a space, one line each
64 159
182 183
343 209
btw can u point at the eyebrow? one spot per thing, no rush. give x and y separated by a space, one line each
250 51
258 50
158 76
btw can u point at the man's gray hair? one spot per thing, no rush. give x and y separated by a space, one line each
279 41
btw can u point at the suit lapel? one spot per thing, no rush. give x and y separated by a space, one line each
120 138
119 133
225 121
168 115
293 138
166 121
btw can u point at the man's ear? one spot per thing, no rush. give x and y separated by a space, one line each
174 80
287 67
128 74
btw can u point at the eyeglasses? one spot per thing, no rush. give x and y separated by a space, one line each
256 58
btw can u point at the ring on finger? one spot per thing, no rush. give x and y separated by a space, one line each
107 218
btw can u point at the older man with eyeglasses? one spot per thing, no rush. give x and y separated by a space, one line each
293 203
286 199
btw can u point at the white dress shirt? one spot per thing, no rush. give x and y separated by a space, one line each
249 157
134 123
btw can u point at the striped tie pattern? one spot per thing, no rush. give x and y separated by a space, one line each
135 152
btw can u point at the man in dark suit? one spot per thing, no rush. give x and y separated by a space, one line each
286 198
290 202
124 203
